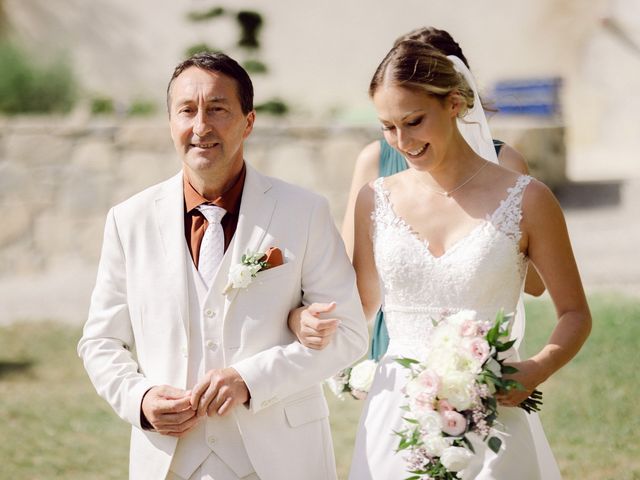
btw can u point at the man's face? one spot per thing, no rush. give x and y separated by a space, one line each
207 125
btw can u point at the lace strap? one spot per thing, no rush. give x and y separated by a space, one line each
381 210
508 215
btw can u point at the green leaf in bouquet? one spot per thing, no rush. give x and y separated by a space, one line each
491 417
500 384
509 385
488 376
509 370
411 420
497 330
406 362
467 443
403 442
494 444
503 347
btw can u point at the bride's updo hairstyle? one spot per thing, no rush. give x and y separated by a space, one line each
418 66
441 40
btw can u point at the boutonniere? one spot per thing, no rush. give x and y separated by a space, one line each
242 274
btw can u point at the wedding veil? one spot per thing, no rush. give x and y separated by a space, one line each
475 130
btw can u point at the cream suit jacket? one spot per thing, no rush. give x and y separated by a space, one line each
136 335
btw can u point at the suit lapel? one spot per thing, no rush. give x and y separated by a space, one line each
169 213
256 210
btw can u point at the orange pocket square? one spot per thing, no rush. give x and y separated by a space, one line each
273 257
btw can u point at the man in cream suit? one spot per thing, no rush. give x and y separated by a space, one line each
188 346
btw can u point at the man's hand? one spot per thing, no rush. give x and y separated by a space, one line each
168 410
219 392
310 329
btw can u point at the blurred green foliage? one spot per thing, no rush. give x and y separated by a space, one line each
250 23
102 105
28 87
141 107
275 107
254 66
199 48
205 14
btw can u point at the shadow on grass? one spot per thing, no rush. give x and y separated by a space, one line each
8 367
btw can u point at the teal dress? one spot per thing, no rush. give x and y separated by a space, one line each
391 162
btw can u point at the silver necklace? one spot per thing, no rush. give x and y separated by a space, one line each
448 193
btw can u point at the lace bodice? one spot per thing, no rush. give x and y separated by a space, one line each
483 271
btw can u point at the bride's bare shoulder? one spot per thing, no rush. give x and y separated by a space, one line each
540 206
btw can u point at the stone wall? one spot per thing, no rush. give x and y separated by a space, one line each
58 178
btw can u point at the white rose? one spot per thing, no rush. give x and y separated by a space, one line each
446 335
242 275
462 316
429 419
442 359
362 375
455 459
435 445
336 385
457 389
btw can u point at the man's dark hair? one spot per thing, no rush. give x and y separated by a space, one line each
220 63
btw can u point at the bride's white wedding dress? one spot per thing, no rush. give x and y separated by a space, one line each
483 271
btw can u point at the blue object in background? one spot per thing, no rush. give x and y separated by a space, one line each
539 97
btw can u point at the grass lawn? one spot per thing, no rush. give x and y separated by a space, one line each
54 426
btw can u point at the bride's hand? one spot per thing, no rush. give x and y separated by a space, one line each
311 330
529 375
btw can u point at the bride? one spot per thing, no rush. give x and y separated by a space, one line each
454 231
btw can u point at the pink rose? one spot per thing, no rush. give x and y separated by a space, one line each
470 328
423 401
453 423
479 349
444 406
429 381
484 328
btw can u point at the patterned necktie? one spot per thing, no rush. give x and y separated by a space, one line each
212 246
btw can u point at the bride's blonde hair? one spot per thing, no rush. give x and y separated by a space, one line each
414 65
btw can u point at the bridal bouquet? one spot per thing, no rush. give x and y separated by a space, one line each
355 381
451 394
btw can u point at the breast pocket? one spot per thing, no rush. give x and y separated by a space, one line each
267 276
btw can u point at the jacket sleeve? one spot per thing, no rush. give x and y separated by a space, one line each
327 275
107 341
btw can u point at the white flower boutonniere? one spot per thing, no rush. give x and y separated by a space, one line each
355 380
242 274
